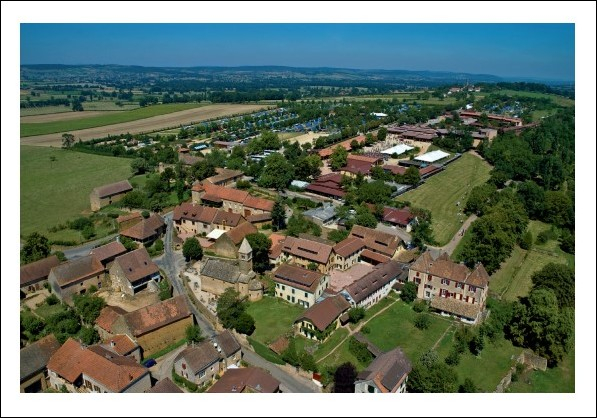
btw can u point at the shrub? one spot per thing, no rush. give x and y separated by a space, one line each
356 314
88 232
360 350
158 246
453 358
408 292
52 300
420 306
422 321
527 241
266 226
365 330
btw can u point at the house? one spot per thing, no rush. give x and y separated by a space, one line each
328 185
414 132
191 219
394 169
227 220
323 215
106 319
186 158
75 277
218 275
356 164
348 252
147 231
35 275
229 349
377 241
165 386
107 253
275 251
123 345
227 244
260 220
198 364
304 252
298 285
132 272
225 177
128 220
96 370
321 319
156 326
246 380
399 217
388 373
108 194
33 361
230 200
452 288
374 286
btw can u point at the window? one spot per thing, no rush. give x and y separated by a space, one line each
429 277
96 389
446 282
293 299
459 286
87 384
443 293
278 285
283 287
370 389
417 274
293 291
427 294
418 281
306 295
201 373
472 288
288 298
306 304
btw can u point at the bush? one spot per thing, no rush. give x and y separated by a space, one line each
52 300
545 236
422 321
527 241
420 306
158 246
80 223
359 350
453 358
88 232
356 314
408 292
266 226
365 330
476 344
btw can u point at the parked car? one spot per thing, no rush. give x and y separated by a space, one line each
150 362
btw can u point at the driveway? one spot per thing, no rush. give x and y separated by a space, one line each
405 236
451 246
163 368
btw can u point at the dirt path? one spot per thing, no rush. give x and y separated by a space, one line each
442 337
170 120
357 329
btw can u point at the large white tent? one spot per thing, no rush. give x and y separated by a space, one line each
432 156
398 149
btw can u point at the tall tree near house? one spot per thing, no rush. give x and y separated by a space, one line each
67 140
36 247
344 378
191 249
338 158
277 173
381 134
278 215
260 244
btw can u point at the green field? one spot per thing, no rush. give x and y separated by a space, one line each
441 193
30 129
558 100
53 192
273 318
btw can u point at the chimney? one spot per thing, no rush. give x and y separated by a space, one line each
112 343
117 238
234 388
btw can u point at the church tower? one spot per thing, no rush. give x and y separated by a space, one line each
245 257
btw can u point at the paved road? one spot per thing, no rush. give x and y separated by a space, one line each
84 249
289 382
451 246
163 368
172 263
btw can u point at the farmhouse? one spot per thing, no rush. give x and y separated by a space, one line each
246 380
191 219
340 280
225 177
415 132
374 286
303 252
328 185
128 220
108 194
451 287
75 277
107 253
35 275
230 200
94 370
226 244
198 364
147 231
376 241
33 361
348 252
123 345
399 217
229 349
356 164
298 285
388 373
321 319
106 319
132 272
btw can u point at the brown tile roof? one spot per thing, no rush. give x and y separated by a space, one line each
326 152
194 212
128 217
116 373
120 344
349 246
259 203
227 343
34 357
228 218
443 267
322 314
108 316
227 193
240 232
341 279
114 188
377 241
429 169
38 270
279 345
136 265
377 257
158 315
310 250
224 174
328 184
276 248
145 229
77 269
457 307
375 280
298 277
261 217
199 357
400 217
250 379
356 167
165 386
108 251
388 370
478 277
395 169
363 158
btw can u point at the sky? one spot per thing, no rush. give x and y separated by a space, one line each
542 51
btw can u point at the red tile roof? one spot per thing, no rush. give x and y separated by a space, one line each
298 277
224 175
136 265
259 203
443 267
145 229
310 250
395 169
121 344
261 217
370 255
250 379
349 246
113 189
400 217
158 315
326 152
322 314
194 212
108 251
377 241
363 158
199 357
276 249
38 270
429 169
77 269
238 233
165 386
128 217
228 218
108 316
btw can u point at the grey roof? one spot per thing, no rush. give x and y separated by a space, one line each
382 274
221 270
324 213
227 343
245 247
200 357
34 357
388 369
165 386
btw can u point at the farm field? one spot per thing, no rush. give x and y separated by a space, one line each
53 192
61 125
58 117
441 193
148 124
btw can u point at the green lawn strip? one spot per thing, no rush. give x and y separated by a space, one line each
441 192
273 318
45 310
329 344
265 351
456 254
165 350
503 279
59 189
343 355
31 129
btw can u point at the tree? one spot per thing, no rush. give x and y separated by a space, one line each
408 292
337 235
278 215
434 377
260 245
167 176
139 166
245 324
134 199
560 279
479 198
374 192
277 173
308 168
194 334
338 158
468 386
128 243
359 350
411 176
559 208
422 234
477 344
527 241
567 241
312 266
356 314
307 362
145 214
203 169
230 310
382 133
290 355
191 249
344 378
365 218
77 106
35 248
67 140
422 321
89 335
88 307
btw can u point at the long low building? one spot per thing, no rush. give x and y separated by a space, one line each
35 275
374 286
108 194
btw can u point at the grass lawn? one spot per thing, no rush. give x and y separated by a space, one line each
468 236
395 328
60 189
30 129
265 352
441 193
558 100
45 310
287 135
273 317
343 355
325 348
